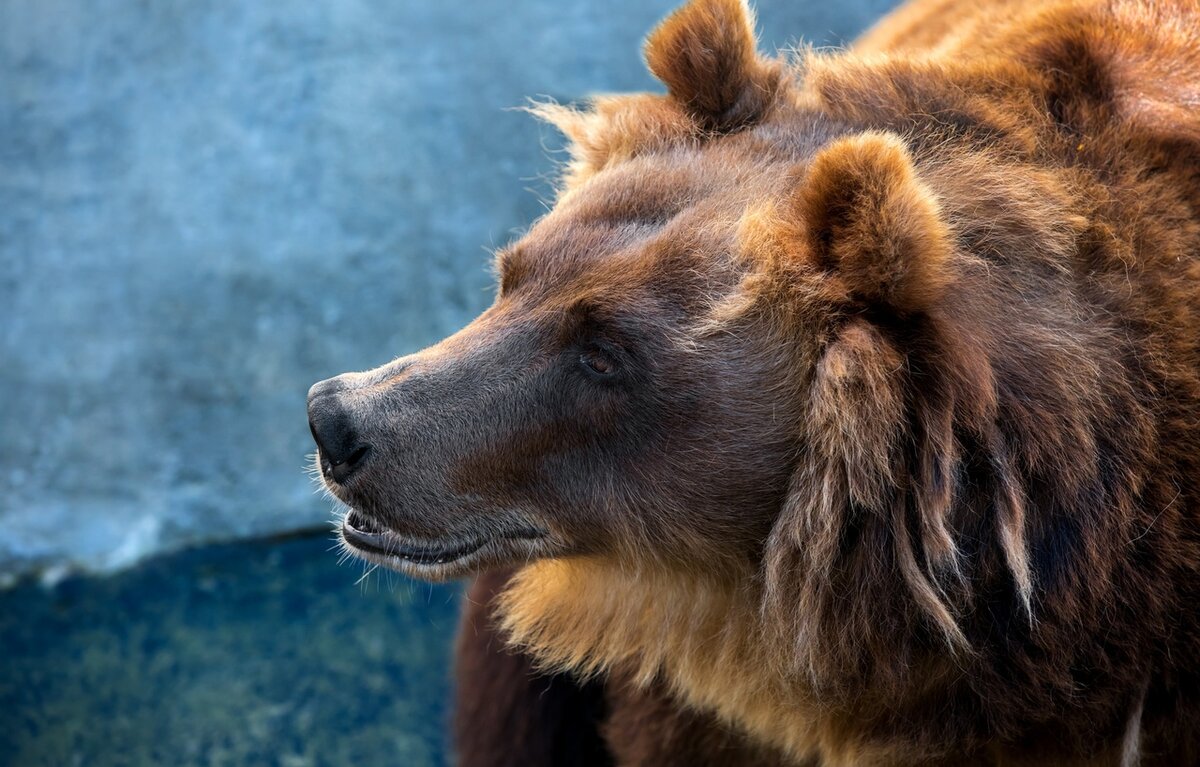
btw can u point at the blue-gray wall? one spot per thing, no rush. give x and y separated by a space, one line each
206 205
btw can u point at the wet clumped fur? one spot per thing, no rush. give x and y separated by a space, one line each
845 410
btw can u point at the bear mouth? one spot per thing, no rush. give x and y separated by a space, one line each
434 560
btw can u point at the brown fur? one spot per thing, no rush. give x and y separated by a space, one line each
507 713
705 55
648 725
896 258
853 403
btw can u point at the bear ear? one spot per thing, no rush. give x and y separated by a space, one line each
705 54
868 219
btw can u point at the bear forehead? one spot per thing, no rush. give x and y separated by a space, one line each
655 216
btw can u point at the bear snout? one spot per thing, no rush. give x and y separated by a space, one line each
340 447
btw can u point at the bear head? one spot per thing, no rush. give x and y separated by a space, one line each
722 351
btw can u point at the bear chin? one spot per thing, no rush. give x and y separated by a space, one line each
445 558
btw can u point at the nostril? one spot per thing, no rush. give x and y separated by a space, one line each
340 446
340 471
358 454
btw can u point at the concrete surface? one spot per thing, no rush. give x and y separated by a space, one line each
207 205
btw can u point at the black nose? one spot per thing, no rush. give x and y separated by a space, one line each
341 448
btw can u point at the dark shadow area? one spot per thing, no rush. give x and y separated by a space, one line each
252 653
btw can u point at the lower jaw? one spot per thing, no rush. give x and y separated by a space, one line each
435 572
459 559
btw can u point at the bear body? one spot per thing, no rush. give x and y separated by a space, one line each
843 411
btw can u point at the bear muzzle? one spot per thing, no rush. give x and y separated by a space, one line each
341 451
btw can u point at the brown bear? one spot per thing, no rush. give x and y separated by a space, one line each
843 411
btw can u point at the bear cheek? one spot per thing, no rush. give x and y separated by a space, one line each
532 457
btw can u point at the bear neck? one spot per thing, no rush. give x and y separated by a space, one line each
704 639
708 642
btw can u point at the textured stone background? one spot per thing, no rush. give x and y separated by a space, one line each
255 653
206 205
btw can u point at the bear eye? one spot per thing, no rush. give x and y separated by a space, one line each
598 363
